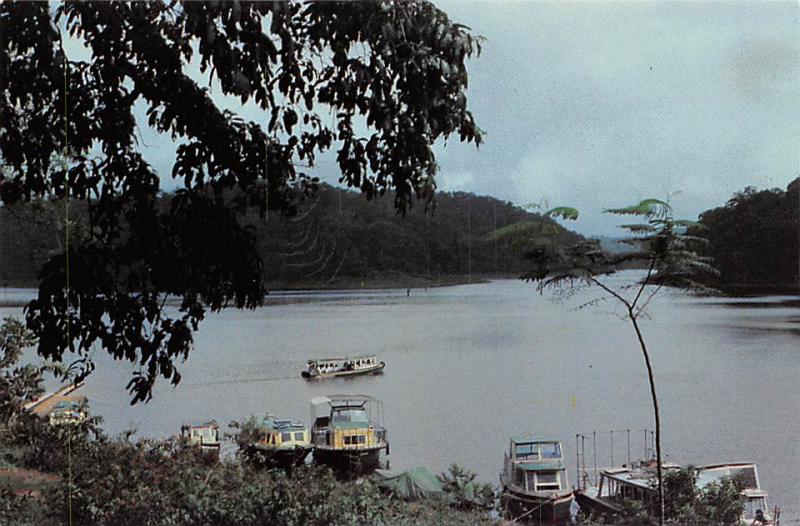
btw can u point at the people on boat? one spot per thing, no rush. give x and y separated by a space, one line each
574 510
760 520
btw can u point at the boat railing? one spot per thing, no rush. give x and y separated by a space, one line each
380 435
609 448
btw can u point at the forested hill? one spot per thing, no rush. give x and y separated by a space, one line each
755 240
337 239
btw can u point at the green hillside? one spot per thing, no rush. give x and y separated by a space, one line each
337 239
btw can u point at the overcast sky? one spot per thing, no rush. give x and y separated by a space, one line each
598 105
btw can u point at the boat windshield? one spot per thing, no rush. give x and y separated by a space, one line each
350 415
538 451
527 451
550 450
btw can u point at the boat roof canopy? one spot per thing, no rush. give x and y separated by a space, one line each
640 476
210 423
281 425
343 400
744 472
531 439
322 405
341 359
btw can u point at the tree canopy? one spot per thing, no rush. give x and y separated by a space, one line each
377 82
337 239
754 239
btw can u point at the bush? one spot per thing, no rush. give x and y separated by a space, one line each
464 493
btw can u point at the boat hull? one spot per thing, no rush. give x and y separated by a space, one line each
279 458
378 369
349 462
593 505
531 509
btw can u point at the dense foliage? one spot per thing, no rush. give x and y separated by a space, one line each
755 240
19 383
378 82
720 503
336 239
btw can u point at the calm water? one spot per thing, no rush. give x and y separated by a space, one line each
468 366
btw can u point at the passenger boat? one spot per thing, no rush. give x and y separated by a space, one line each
201 435
638 483
283 443
352 366
347 432
535 487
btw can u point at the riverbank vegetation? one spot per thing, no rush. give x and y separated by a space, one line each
338 240
754 240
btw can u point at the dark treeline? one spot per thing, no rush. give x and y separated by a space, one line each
755 240
337 239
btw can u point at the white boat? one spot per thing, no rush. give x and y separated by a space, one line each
637 483
349 366
535 484
746 475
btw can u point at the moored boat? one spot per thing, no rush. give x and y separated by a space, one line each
348 433
349 366
620 485
282 443
617 485
535 487
67 412
746 476
201 435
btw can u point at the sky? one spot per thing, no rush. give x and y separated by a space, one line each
600 105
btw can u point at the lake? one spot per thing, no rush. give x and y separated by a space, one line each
468 366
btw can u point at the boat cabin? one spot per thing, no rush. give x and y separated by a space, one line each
746 475
631 483
66 412
283 434
203 435
536 465
346 422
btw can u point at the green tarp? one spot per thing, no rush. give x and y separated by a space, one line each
414 484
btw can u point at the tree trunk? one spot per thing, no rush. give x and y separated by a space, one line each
656 414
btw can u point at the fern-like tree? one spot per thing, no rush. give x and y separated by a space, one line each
661 244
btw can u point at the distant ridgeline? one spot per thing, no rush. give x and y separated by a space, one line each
337 239
755 240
